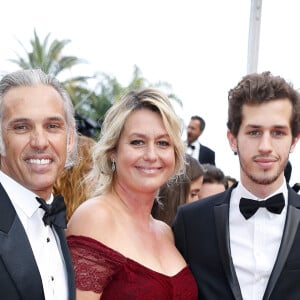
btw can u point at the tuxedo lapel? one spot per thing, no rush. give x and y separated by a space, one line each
16 253
68 262
202 154
291 227
222 228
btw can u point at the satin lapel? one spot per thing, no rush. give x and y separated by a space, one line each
16 253
222 229
68 262
291 227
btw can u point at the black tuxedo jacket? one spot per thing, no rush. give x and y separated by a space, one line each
206 155
19 274
201 232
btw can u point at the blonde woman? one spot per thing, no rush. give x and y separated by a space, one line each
119 250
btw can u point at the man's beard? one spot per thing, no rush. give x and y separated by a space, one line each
262 179
259 180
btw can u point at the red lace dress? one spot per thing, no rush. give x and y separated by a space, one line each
103 270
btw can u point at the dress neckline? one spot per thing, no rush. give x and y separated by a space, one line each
123 257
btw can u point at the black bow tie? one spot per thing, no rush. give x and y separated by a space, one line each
274 204
191 146
55 213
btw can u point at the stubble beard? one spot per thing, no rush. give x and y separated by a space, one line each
264 179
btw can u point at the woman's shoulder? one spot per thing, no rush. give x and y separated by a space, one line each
93 246
93 208
91 217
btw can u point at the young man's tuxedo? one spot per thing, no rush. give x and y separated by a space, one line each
201 232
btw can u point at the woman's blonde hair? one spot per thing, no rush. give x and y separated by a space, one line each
70 183
147 98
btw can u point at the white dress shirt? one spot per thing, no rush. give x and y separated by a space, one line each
44 242
193 152
254 242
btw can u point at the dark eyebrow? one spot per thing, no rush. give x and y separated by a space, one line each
280 126
253 126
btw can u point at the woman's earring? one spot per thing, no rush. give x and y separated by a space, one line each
113 165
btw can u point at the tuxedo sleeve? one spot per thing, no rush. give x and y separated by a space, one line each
179 231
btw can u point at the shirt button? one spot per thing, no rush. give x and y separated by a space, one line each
52 278
48 239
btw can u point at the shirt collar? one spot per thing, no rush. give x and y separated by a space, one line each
20 196
194 143
240 189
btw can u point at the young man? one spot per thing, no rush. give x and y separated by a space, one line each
238 244
38 136
194 148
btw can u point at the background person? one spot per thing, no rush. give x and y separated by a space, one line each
214 181
230 181
204 154
185 188
38 135
296 187
245 242
195 172
119 250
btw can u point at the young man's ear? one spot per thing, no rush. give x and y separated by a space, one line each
294 143
232 141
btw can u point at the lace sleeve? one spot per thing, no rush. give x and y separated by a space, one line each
94 263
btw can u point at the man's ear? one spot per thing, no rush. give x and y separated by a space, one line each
232 141
71 140
294 143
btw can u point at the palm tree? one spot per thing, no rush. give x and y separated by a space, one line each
109 88
90 104
94 104
138 81
49 58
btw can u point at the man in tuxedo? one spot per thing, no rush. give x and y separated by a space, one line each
245 242
194 148
38 139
